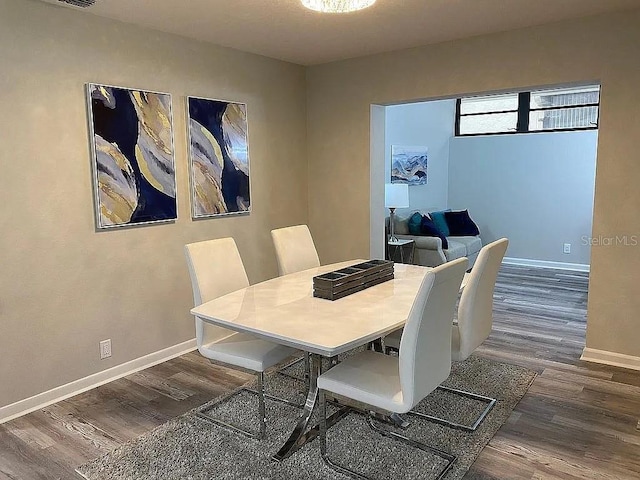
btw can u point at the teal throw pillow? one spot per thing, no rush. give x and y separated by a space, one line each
414 223
440 221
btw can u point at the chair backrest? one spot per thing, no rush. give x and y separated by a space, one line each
425 346
475 311
295 249
216 269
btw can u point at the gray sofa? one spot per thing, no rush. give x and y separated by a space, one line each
428 250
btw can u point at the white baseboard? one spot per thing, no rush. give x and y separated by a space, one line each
527 262
610 358
41 400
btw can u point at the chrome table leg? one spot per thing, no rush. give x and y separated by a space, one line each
302 433
297 437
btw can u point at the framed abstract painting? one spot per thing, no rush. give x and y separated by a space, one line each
218 157
133 156
408 165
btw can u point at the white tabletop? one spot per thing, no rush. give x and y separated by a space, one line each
285 311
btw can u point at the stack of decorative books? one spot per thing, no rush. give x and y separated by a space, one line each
343 282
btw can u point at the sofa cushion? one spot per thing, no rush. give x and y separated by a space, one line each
428 228
472 244
460 224
429 243
455 250
440 221
414 223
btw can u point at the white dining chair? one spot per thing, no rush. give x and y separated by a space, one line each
474 322
216 269
397 384
295 250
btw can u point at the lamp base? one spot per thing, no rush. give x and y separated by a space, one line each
392 221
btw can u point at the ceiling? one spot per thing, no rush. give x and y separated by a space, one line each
285 30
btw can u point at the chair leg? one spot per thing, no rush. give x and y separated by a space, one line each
282 369
306 375
307 369
394 419
352 473
323 424
467 428
202 413
323 443
419 445
262 413
376 345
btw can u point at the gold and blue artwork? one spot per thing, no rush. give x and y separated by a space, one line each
132 155
218 157
409 165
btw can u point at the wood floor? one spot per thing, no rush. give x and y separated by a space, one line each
577 421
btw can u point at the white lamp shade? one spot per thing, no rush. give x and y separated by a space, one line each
396 195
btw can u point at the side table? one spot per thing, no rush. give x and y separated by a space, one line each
396 248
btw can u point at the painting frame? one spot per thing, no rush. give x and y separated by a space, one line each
409 164
163 207
208 199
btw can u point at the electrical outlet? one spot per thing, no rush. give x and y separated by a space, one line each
105 349
566 248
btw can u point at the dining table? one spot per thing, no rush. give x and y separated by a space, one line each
285 311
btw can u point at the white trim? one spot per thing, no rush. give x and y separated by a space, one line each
57 394
528 262
610 358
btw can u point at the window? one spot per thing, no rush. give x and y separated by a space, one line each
534 111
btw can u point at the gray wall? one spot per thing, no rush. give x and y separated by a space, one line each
64 286
428 124
603 49
535 189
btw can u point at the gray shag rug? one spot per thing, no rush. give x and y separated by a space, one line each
189 447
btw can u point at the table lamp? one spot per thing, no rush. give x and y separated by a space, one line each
396 195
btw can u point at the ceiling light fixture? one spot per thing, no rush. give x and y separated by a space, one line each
337 6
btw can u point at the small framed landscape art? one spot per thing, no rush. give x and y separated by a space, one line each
218 157
408 165
133 156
